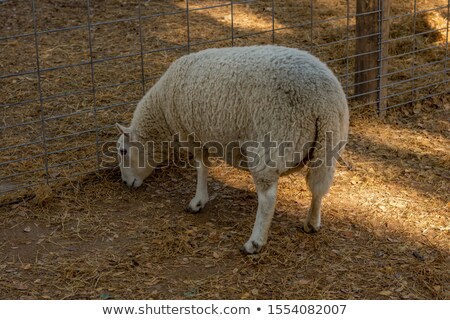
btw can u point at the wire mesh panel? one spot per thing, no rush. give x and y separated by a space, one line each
70 69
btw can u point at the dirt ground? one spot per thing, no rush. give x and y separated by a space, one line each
386 221
385 234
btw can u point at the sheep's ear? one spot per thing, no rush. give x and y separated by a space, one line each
126 131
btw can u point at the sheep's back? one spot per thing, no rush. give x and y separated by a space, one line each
243 93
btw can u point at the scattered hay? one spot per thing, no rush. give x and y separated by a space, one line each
72 141
385 230
386 222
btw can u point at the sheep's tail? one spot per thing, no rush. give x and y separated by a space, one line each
330 139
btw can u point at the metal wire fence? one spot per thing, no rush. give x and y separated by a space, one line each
70 70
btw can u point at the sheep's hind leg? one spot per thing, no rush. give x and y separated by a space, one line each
319 181
267 193
312 222
201 193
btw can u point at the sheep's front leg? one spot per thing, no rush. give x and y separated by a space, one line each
267 194
201 193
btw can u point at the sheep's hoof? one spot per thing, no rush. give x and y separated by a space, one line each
194 208
251 247
309 228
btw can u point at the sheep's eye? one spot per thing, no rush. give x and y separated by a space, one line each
123 152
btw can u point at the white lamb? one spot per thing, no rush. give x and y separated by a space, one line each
244 95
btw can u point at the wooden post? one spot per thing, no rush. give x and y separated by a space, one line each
366 60
384 52
371 31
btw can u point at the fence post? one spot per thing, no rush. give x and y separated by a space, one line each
366 60
383 50
41 95
371 31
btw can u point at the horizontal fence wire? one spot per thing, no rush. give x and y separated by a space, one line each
66 77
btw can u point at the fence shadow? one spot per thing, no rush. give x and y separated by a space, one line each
418 171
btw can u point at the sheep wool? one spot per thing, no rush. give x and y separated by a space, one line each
247 94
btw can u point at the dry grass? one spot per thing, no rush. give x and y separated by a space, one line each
386 223
72 118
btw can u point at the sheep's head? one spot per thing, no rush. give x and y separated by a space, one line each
132 154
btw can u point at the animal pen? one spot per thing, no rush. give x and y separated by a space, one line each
70 229
70 70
